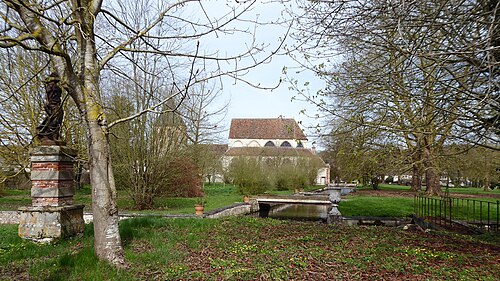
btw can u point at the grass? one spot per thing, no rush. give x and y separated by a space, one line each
255 249
216 196
459 190
377 206
361 204
221 195
244 248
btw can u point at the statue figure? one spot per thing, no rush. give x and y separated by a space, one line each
48 130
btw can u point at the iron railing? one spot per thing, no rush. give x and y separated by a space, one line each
453 212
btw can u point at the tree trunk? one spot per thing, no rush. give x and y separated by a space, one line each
432 182
487 183
78 175
433 187
107 241
416 178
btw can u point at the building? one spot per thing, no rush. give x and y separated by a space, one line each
272 139
272 132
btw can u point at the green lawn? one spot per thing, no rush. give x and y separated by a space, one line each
460 190
255 249
359 205
221 195
245 248
216 196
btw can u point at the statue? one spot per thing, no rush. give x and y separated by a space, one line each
48 130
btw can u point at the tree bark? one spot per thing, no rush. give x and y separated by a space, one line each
433 187
107 241
487 183
416 178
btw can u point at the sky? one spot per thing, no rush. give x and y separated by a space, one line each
250 102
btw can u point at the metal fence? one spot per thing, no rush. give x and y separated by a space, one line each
455 212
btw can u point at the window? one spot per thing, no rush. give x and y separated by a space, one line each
269 143
254 144
300 145
286 144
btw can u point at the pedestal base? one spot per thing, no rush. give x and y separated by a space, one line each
334 216
48 224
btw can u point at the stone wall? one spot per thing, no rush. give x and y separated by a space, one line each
10 217
237 209
46 224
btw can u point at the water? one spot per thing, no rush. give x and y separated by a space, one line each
303 212
299 212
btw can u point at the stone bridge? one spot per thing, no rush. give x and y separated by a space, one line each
331 200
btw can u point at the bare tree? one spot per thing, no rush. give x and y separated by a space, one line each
203 113
408 68
84 39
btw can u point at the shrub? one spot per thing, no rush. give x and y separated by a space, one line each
248 175
253 176
182 179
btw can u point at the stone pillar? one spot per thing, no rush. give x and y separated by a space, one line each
52 215
334 216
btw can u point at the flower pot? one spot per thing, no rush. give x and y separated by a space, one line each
199 209
246 198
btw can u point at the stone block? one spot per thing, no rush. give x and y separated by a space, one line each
52 150
52 158
63 191
48 224
37 175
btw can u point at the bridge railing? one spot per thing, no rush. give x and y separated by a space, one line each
447 211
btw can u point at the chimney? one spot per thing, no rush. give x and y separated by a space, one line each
313 150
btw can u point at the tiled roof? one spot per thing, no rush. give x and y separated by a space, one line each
270 151
272 128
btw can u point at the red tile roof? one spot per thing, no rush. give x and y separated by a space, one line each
269 129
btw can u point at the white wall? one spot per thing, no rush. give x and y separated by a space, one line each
262 142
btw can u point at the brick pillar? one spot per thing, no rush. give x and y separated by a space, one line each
52 176
52 214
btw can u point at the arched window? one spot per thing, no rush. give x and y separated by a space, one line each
269 143
254 144
237 144
286 144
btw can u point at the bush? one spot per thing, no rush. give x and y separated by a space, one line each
284 177
169 176
253 176
248 175
183 179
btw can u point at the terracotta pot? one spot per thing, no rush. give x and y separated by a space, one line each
199 209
